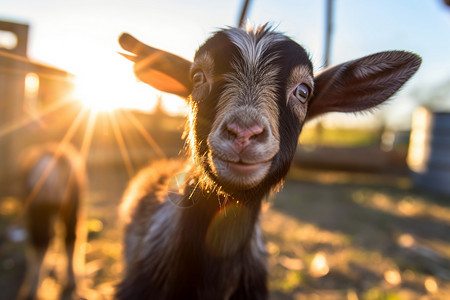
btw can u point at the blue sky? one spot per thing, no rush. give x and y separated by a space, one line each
81 36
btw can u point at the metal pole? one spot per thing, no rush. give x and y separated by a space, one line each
328 32
243 13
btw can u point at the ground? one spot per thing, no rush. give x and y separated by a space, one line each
330 235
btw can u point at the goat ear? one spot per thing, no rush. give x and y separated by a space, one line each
362 83
160 69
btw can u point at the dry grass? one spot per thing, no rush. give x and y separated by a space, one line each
329 236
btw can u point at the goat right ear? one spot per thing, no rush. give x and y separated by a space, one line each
160 69
362 83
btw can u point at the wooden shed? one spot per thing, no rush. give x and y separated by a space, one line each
27 89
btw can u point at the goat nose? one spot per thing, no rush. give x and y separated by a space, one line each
241 135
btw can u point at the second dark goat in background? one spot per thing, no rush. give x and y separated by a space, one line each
54 184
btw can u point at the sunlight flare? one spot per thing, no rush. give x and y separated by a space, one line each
406 240
31 83
87 138
174 105
393 277
65 140
141 129
31 118
319 265
108 92
431 285
121 143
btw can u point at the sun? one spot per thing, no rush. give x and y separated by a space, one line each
112 93
108 92
105 85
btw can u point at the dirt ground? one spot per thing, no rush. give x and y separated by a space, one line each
330 235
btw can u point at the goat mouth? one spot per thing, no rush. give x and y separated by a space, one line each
240 174
243 169
240 165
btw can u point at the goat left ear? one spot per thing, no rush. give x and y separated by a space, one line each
160 69
362 83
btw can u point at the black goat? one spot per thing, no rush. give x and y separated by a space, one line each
249 93
54 183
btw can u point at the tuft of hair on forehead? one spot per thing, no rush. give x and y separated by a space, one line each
254 50
253 44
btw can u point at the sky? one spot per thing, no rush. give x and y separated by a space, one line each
80 36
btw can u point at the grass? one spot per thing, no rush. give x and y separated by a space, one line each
338 137
379 239
329 235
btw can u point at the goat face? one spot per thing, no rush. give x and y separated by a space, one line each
250 93
245 87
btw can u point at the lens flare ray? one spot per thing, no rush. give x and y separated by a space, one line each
141 129
121 143
33 118
65 140
87 139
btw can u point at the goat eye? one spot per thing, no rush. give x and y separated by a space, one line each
301 92
198 78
